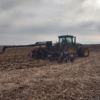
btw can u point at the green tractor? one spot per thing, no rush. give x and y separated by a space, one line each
68 43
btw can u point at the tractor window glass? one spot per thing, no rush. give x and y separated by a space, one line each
62 40
69 39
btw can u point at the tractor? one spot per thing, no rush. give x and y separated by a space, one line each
68 43
66 49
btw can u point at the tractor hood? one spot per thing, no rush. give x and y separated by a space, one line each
79 44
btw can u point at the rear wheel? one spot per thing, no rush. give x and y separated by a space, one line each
79 52
85 52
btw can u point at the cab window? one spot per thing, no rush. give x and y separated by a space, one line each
62 40
69 39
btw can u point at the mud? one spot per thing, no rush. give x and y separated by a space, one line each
23 78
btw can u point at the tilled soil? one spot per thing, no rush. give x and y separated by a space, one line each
23 78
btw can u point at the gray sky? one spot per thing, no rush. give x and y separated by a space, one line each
29 21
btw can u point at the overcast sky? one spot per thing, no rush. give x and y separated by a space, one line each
29 21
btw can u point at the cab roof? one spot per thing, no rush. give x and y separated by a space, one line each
65 36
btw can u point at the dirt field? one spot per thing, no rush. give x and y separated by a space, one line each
22 78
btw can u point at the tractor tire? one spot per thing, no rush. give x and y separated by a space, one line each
85 52
79 52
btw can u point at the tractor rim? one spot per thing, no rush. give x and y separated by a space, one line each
86 52
71 50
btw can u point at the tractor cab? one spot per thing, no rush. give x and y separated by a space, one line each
67 39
